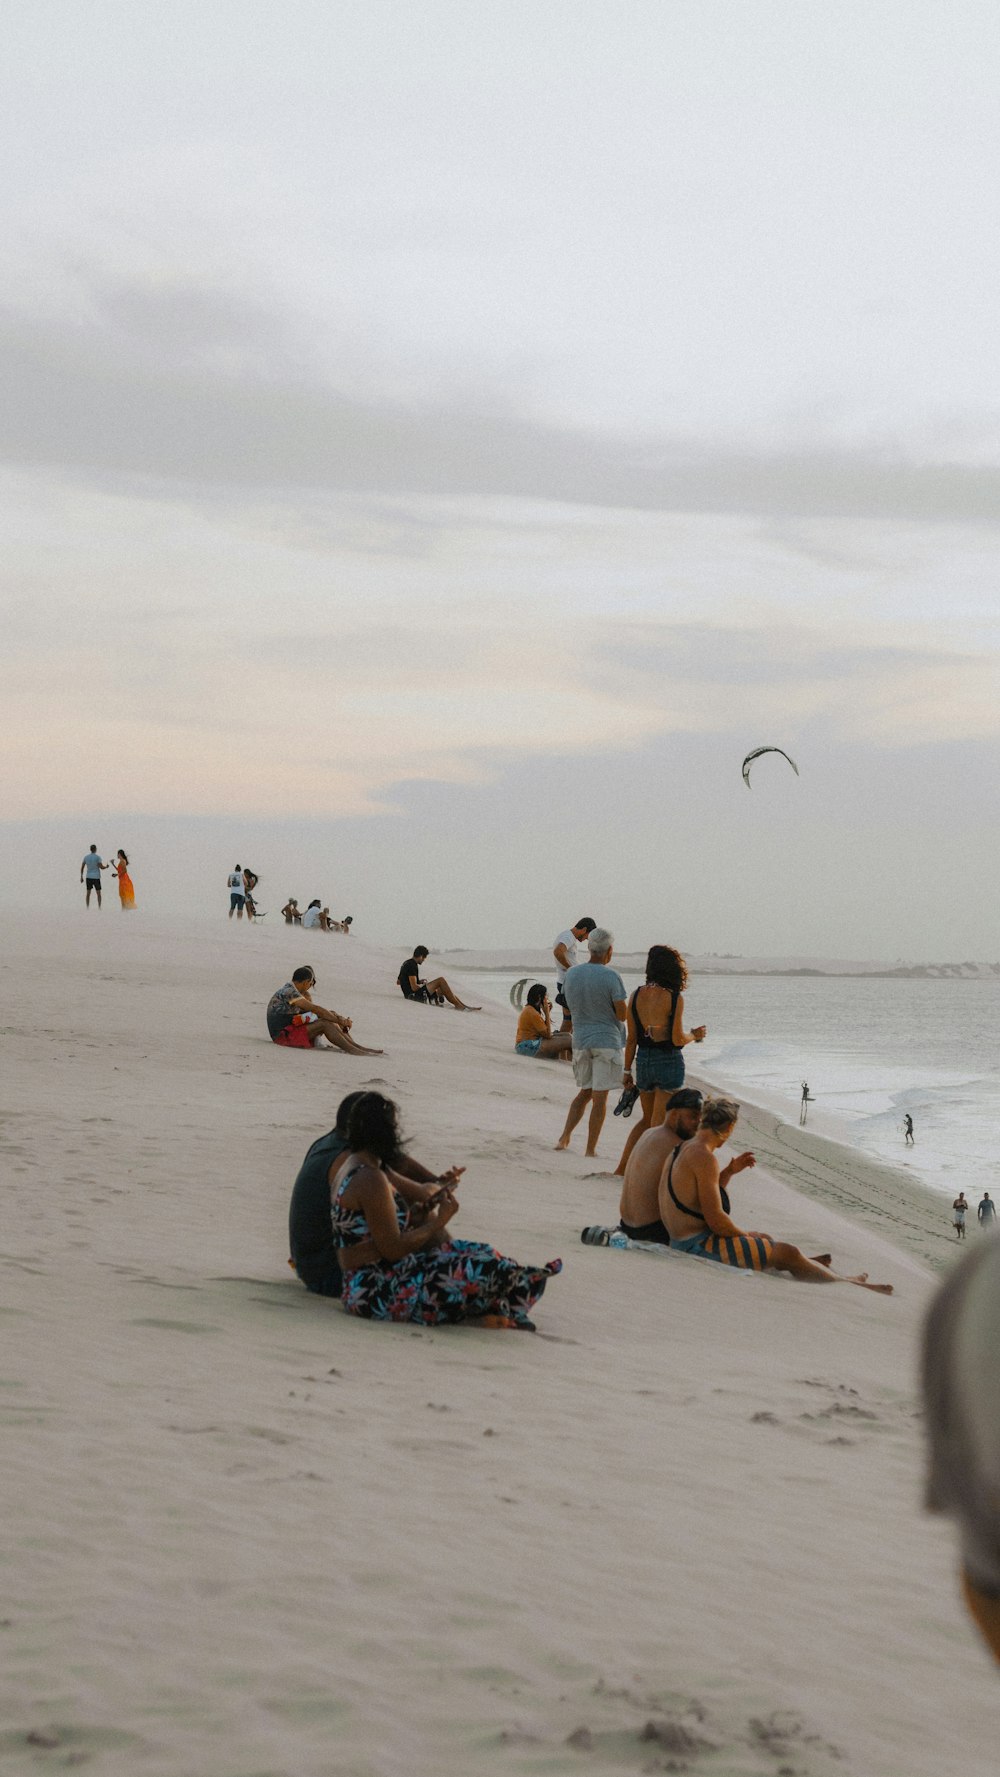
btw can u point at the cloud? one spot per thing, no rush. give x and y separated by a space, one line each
190 385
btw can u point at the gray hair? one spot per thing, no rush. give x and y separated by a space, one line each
719 1113
600 941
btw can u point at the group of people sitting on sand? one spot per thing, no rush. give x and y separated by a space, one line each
674 1193
316 917
371 1225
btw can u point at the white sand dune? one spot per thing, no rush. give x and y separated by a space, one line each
680 1528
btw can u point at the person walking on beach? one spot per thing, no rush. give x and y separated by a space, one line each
566 951
806 1101
595 1000
959 1208
126 891
987 1212
237 893
908 1130
91 870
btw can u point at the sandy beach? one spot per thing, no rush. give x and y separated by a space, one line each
680 1528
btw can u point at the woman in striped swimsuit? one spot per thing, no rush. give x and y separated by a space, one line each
697 1217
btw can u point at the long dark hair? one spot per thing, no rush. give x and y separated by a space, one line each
373 1124
666 968
535 996
124 855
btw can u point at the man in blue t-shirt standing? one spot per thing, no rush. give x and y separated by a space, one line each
90 870
595 997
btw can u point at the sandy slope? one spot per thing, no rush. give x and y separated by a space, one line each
250 1537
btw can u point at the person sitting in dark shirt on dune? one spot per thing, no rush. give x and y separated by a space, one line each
429 992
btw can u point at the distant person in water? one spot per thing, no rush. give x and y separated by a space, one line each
958 1210
986 1213
961 1378
90 871
290 913
595 998
126 890
312 918
908 1130
415 988
566 951
237 892
640 1199
396 1251
295 1021
534 1028
697 1221
656 1040
310 1214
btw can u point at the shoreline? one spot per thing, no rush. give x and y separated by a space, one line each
867 1192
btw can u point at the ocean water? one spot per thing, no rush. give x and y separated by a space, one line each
871 1051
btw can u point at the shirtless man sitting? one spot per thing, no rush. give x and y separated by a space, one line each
640 1204
295 1021
692 1209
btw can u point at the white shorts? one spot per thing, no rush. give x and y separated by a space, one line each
600 1069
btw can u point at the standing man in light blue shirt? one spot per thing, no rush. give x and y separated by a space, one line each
91 868
595 998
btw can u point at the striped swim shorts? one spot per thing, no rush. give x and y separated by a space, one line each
747 1252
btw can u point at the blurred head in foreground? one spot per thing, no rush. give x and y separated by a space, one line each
961 1377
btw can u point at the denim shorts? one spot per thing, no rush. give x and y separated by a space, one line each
659 1069
530 1046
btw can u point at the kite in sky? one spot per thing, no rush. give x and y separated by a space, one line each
748 761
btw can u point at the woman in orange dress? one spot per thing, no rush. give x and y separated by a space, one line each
126 892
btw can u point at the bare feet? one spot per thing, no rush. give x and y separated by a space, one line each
562 1144
881 1289
590 1153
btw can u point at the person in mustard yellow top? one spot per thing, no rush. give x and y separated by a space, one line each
534 1028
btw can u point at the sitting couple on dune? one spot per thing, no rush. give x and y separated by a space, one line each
674 1193
370 1224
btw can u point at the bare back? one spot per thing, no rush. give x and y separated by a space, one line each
694 1176
640 1185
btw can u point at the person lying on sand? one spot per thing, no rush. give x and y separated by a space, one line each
534 1028
640 1200
295 1021
414 988
961 1379
697 1220
397 1256
310 1216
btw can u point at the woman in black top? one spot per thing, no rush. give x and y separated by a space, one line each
656 1039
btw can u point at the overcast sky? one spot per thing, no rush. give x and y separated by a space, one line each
438 441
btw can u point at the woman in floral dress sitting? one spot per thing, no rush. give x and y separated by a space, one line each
398 1259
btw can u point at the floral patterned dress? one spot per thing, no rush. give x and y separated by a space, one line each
462 1280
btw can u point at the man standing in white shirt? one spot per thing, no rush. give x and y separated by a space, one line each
237 893
565 950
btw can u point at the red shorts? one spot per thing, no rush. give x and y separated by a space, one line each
294 1036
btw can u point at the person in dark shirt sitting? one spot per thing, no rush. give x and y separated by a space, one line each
310 1221
433 993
